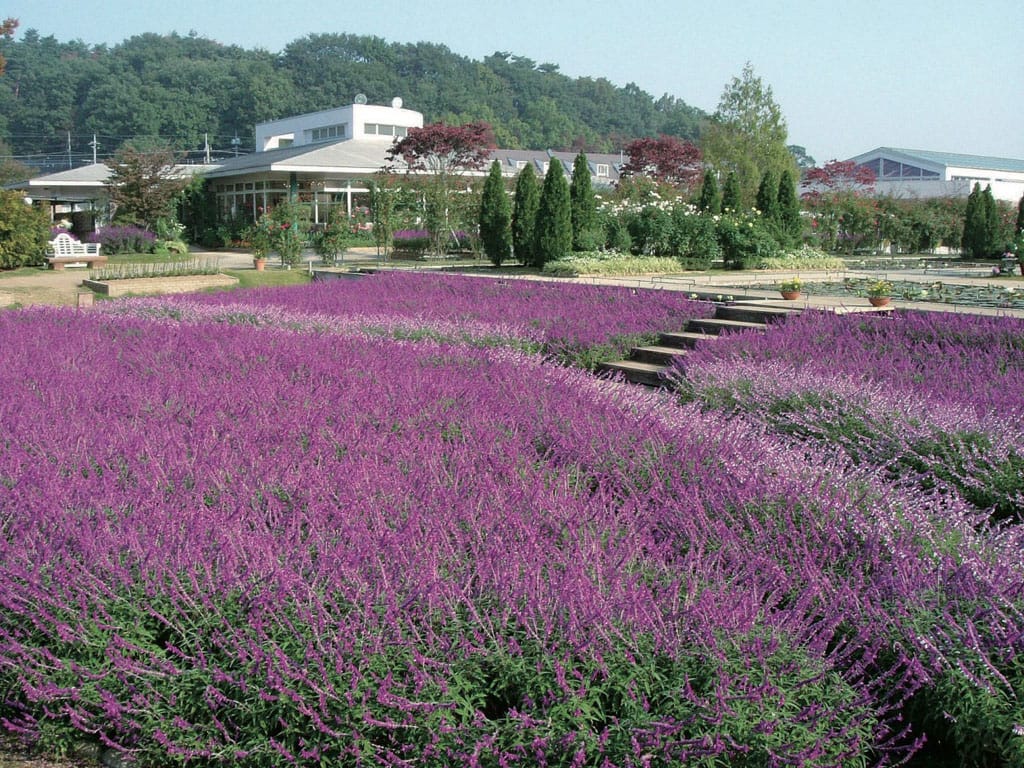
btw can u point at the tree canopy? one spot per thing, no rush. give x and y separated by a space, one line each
747 134
182 89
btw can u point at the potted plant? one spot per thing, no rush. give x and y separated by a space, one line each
790 289
259 242
879 293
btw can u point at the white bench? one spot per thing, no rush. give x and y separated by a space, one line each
65 251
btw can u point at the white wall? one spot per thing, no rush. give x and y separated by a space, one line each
297 130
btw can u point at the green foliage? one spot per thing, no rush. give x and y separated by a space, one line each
288 225
553 234
24 232
982 235
732 199
747 135
746 242
710 201
524 216
332 238
694 239
790 223
583 207
609 263
804 257
143 185
495 218
768 196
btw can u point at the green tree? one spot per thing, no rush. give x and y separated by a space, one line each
524 215
554 217
975 236
24 230
993 226
1019 229
768 197
583 208
747 134
710 200
788 207
144 185
495 218
731 197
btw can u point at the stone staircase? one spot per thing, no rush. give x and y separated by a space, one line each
647 365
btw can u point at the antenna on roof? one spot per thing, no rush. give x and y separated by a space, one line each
397 102
360 98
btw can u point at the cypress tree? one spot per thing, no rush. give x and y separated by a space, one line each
1019 229
495 218
768 197
731 194
583 208
524 215
553 236
973 240
790 223
710 201
992 224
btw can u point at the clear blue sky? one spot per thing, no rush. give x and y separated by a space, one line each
849 75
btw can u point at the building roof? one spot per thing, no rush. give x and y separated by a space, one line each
352 156
948 159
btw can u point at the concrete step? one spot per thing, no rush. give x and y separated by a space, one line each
656 353
683 339
751 313
714 326
637 372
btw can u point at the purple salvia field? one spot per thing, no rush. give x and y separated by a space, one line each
257 534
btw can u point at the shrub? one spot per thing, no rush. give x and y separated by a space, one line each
24 230
745 242
694 240
126 239
805 257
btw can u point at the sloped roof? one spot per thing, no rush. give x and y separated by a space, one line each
352 155
949 159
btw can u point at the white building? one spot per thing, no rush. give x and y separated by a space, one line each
325 159
910 173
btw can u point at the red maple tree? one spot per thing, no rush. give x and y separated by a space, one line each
666 159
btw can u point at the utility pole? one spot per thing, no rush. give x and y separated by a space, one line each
206 139
94 144
69 150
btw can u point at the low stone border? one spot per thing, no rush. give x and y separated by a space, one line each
142 286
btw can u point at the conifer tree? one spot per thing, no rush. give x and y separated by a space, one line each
768 197
583 209
731 194
788 207
992 225
710 200
1019 229
524 216
495 218
975 226
554 217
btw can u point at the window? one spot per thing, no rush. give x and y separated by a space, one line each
602 169
379 129
328 132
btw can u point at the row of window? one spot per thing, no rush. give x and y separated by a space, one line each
379 129
599 169
893 169
329 132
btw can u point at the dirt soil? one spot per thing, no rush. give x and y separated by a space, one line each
59 287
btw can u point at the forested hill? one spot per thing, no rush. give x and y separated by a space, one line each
184 88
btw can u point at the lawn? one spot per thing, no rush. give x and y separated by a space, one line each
390 520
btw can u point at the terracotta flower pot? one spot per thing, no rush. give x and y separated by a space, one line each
260 264
879 301
790 295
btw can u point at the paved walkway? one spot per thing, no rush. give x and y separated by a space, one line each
63 287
